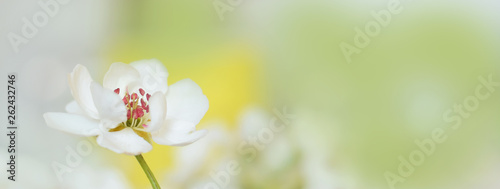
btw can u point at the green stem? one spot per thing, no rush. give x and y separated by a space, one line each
148 171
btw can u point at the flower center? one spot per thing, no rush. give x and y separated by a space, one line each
137 109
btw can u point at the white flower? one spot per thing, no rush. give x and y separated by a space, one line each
132 108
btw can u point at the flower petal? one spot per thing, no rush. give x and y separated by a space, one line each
186 101
109 105
79 83
120 75
153 75
178 133
74 108
158 111
125 141
72 123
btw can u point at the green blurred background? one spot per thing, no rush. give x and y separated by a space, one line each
359 117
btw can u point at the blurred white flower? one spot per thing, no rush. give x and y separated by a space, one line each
195 162
318 163
130 109
276 157
280 151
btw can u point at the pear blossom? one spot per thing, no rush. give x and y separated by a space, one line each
133 107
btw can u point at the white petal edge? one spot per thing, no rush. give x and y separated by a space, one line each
125 141
72 123
120 75
153 75
186 101
79 83
74 108
109 105
178 133
157 111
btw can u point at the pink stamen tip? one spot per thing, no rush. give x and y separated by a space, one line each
135 114
144 125
142 92
147 96
134 96
117 91
138 113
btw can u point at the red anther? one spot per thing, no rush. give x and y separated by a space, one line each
143 104
147 96
117 90
147 108
135 96
142 91
139 112
125 101
128 114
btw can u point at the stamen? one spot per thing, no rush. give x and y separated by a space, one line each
137 112
127 96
